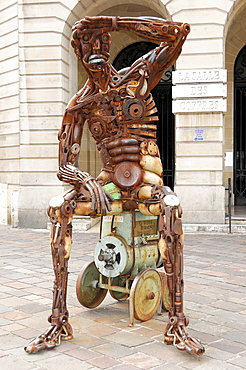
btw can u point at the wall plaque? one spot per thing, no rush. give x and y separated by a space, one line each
199 76
199 90
199 105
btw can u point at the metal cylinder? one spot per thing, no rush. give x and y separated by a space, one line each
114 257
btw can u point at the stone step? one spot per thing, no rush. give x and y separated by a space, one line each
81 223
214 228
84 223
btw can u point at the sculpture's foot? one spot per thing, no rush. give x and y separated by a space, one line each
50 339
179 337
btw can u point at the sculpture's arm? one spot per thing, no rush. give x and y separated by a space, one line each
70 136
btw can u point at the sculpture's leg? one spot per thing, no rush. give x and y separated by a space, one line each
171 248
60 234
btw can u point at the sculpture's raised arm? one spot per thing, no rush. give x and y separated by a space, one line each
170 36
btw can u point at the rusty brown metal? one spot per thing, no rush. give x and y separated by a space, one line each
122 119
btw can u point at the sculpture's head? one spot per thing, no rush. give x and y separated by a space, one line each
91 47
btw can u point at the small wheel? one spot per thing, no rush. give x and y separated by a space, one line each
146 294
89 295
119 296
166 304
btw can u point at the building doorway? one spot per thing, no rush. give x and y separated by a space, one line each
162 95
240 128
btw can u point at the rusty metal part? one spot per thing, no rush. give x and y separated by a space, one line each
50 339
127 175
100 199
119 296
166 305
88 294
145 295
153 164
171 232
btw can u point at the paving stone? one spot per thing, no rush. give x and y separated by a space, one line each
15 315
14 363
13 327
148 332
125 367
167 367
210 364
86 341
127 339
103 362
163 352
10 341
236 336
81 353
99 330
27 333
218 354
142 360
19 352
205 327
229 306
239 361
63 361
13 302
116 350
31 308
205 338
229 346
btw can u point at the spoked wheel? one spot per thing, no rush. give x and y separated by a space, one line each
119 296
87 293
146 294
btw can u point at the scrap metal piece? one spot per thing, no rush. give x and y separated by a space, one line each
88 294
145 295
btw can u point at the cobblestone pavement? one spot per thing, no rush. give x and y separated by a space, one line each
215 302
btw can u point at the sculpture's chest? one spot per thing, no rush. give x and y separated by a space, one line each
116 113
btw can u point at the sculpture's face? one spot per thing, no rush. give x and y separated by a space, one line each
95 49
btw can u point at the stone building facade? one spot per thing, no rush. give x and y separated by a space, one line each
39 73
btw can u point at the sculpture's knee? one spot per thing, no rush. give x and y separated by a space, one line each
60 212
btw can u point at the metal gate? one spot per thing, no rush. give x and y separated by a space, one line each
240 128
162 95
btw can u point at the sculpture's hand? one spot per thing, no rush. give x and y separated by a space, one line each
95 23
99 197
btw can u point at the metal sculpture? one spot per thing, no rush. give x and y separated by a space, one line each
122 118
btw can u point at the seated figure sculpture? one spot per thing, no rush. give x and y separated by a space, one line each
122 119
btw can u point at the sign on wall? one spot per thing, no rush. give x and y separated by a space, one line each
199 76
206 90
199 105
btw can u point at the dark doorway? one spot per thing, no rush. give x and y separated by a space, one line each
162 95
240 128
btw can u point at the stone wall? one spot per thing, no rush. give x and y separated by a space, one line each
39 74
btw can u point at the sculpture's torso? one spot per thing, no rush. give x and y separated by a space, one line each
123 122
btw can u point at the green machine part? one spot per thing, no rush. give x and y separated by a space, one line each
127 245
